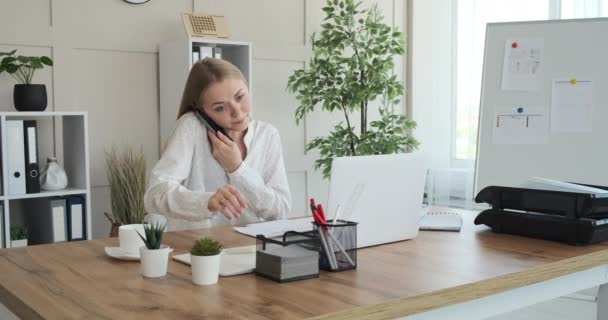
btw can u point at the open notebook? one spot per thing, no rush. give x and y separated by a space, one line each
441 219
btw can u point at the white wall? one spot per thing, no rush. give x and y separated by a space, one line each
106 63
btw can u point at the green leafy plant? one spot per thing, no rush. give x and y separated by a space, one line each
205 247
22 68
18 233
127 177
154 235
350 67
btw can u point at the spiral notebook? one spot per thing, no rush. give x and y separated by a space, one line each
441 219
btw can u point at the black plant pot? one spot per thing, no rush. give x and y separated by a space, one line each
29 97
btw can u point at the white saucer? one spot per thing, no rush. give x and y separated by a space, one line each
234 261
119 253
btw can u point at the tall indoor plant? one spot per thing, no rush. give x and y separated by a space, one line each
351 66
127 178
26 96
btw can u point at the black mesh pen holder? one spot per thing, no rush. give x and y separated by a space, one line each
293 256
338 249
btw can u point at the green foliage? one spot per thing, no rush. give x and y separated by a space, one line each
154 235
22 68
18 233
205 247
127 177
351 66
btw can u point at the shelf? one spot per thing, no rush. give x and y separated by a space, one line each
223 42
43 113
44 194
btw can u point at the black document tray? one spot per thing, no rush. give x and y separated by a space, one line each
570 217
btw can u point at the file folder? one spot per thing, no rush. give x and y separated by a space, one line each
46 219
16 157
30 136
2 231
75 211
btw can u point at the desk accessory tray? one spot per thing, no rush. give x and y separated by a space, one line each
294 256
570 217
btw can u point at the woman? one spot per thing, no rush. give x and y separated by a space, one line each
205 179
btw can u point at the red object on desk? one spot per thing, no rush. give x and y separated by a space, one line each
321 213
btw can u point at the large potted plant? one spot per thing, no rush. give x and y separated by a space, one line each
351 67
205 261
154 255
127 177
26 96
18 236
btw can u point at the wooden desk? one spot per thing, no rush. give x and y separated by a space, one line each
436 271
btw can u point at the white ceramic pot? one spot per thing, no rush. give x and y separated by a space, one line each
205 269
129 239
154 262
18 243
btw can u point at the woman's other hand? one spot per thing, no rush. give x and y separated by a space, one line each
227 200
225 151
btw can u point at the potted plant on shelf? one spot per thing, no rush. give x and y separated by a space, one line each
127 177
351 67
18 236
154 255
205 261
26 96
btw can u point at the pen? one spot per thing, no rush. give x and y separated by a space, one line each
338 208
313 206
350 261
333 264
321 213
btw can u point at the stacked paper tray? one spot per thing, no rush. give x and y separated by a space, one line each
295 256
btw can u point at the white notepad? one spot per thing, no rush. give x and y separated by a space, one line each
441 219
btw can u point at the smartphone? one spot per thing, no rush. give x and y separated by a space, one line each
209 123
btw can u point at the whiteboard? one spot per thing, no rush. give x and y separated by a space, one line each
571 49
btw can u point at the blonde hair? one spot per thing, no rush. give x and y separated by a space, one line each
203 74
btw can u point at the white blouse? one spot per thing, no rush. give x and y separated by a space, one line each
187 175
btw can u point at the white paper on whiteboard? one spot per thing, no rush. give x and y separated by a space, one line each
521 125
522 64
572 105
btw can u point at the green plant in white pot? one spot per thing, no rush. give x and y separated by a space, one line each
205 261
154 255
126 171
351 67
26 96
18 236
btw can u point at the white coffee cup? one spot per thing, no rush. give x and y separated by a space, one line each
128 238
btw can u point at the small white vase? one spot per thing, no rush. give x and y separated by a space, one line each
154 262
205 269
18 243
53 177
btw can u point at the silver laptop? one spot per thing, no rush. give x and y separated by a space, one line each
382 193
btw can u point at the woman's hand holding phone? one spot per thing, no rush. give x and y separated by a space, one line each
227 200
225 151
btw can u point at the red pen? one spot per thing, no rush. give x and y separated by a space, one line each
321 213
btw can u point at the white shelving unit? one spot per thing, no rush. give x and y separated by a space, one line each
60 134
175 61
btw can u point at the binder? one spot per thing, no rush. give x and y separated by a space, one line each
2 245
46 219
217 53
205 52
30 137
16 157
75 211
